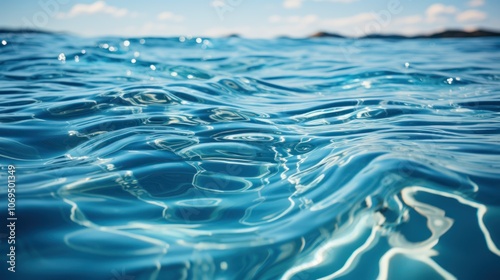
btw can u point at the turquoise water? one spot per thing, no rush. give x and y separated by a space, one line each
230 158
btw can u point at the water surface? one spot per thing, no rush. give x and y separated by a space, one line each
230 158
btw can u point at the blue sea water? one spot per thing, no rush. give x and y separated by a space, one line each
231 158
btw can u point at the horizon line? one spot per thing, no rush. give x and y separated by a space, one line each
319 34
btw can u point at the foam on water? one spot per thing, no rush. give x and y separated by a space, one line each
230 158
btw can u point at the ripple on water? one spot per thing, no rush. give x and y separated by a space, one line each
199 158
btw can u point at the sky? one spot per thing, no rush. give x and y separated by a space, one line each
249 18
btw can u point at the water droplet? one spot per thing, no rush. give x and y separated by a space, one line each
199 40
61 57
112 49
182 39
152 67
104 46
137 54
142 41
223 265
84 51
126 43
367 84
449 81
174 74
133 60
407 64
190 76
77 58
129 72
4 42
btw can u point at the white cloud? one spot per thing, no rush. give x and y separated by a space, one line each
348 21
98 7
470 28
300 21
218 3
275 19
247 31
169 16
154 28
337 1
409 20
222 31
303 20
471 15
437 9
292 4
476 3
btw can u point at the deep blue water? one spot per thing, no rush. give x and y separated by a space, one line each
187 158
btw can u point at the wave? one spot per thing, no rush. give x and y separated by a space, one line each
253 159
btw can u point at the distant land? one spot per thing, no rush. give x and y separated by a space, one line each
442 34
25 30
